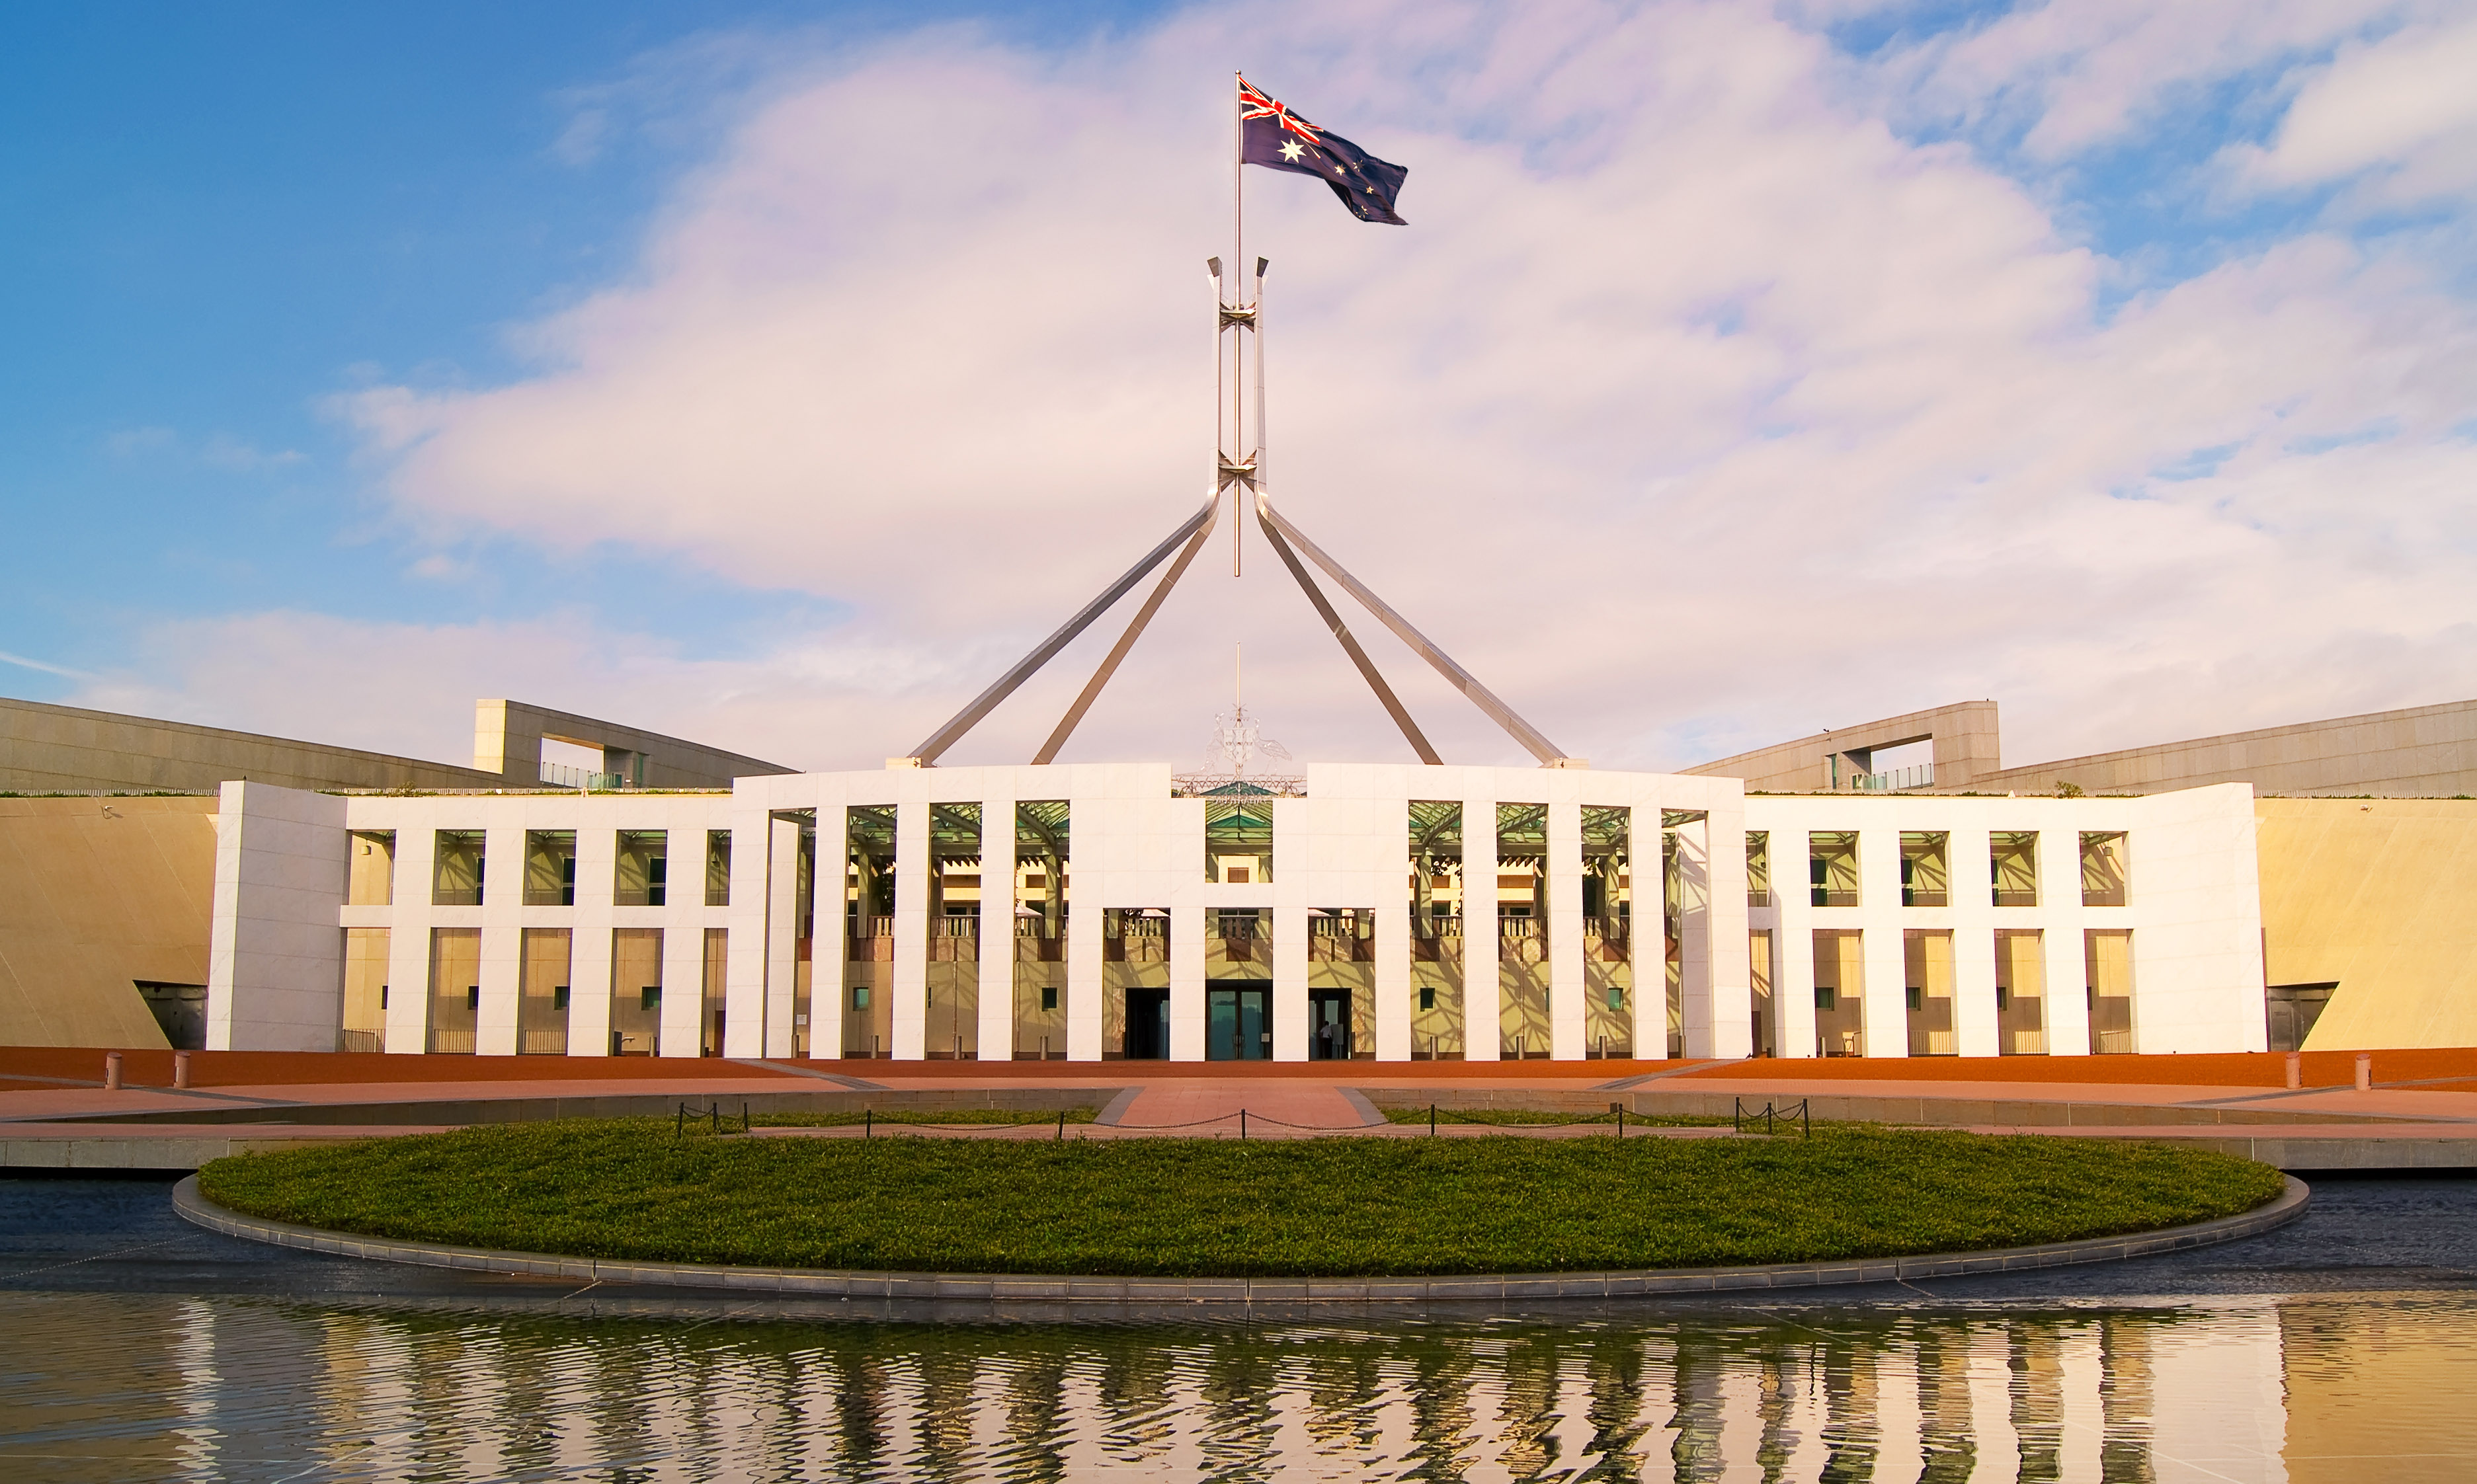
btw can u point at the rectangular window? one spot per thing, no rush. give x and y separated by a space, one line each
2013 867
1759 868
1608 929
2106 871
2021 994
643 875
717 963
1927 991
1042 877
1239 839
1839 994
372 884
953 1004
456 879
636 992
1758 969
2107 967
717 868
1832 868
1925 873
1437 913
870 883
550 868
541 992
1522 930
455 987
365 973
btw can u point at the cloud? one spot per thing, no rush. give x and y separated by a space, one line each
2404 108
1697 408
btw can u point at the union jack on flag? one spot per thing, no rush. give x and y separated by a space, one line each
1278 138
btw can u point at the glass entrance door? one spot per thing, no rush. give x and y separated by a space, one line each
1329 1025
1239 1022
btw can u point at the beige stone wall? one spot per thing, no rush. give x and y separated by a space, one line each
2424 752
2375 896
59 747
1964 734
96 893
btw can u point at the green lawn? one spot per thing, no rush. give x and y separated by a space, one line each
1219 1207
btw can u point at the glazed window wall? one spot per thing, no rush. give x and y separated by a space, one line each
1522 930
1438 1020
457 869
643 871
455 988
372 883
1341 984
2013 867
1926 980
2107 872
806 1020
1677 895
543 992
1926 868
550 868
1239 984
1839 994
717 966
1608 942
2021 994
1759 868
1135 983
868 922
1765 1038
1832 868
717 868
636 992
953 1007
1239 840
366 990
2107 967
1042 880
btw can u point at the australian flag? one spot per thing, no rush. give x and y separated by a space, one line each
1279 139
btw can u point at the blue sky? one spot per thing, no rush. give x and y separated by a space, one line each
232 233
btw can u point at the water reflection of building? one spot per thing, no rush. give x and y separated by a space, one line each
2233 1390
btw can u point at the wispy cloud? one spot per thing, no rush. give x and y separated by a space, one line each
44 666
1699 406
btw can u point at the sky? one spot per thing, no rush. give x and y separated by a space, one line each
774 375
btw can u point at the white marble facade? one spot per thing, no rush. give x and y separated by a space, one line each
2194 909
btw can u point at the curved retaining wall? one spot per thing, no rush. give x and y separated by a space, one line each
1045 1288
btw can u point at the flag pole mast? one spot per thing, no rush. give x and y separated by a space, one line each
1238 281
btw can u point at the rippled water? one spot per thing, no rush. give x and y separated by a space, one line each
120 1386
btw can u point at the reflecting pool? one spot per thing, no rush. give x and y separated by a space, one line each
148 1386
132 1346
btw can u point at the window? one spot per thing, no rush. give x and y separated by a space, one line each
1925 877
717 868
1759 868
550 868
2013 867
643 869
457 872
372 884
2105 872
1832 868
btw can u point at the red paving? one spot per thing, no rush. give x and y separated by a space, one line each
41 1084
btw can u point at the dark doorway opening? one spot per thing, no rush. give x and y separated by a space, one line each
2292 1009
181 1009
1329 1025
1239 1022
1148 1024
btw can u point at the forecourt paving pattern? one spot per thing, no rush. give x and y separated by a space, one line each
2421 1111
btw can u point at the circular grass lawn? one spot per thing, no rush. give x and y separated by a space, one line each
632 1189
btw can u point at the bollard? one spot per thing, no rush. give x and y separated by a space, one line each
1062 1127
112 1072
2365 1072
868 1124
181 1069
2295 1071
1243 1123
1432 1121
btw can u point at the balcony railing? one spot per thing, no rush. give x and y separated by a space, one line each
561 775
1898 778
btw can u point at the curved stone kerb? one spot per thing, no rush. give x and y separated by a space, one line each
1049 1288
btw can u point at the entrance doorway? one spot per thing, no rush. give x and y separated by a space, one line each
1239 1022
1329 1025
1148 1024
